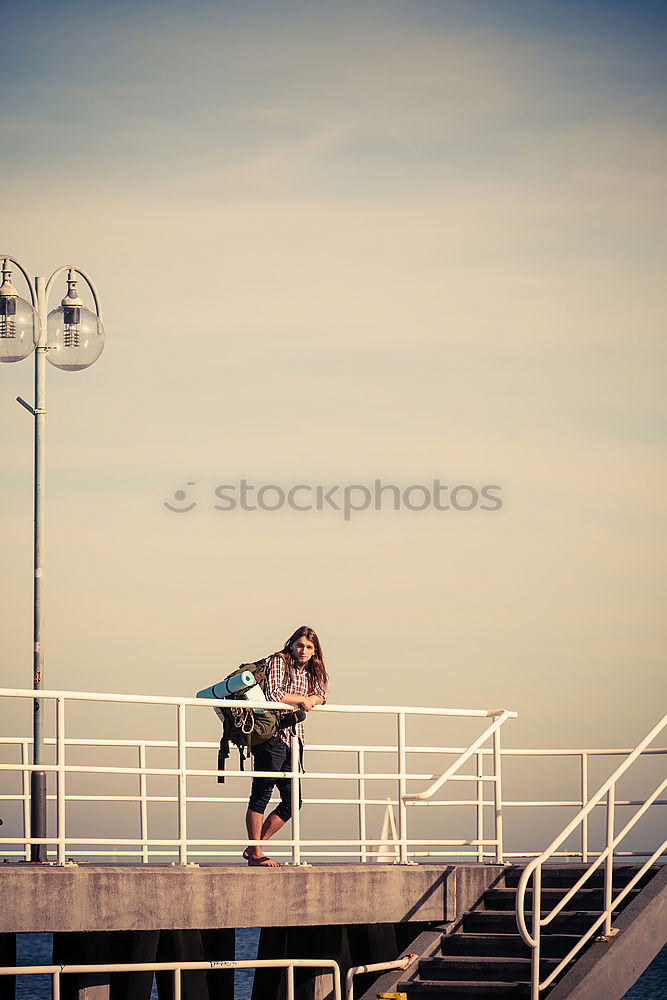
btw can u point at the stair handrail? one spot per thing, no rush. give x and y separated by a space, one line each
500 716
535 867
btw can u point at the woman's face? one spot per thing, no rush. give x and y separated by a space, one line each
302 649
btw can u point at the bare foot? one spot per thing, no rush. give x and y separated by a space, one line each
259 860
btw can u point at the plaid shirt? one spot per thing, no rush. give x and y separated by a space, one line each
298 681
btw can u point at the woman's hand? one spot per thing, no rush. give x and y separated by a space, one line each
305 703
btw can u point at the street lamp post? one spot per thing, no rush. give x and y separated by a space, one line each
71 337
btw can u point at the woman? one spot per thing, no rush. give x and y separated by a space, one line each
296 676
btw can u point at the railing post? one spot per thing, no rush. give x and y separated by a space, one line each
361 788
584 801
498 797
143 804
480 806
609 866
177 984
296 783
182 795
290 982
60 779
402 789
25 795
535 957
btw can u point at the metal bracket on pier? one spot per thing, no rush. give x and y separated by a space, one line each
606 938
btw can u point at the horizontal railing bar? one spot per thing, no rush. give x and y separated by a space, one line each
248 963
236 842
312 775
73 741
573 752
339 748
215 800
388 844
241 799
208 773
574 854
235 857
390 849
577 803
136 699
89 797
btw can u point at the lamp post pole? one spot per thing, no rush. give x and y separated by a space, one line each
38 852
74 336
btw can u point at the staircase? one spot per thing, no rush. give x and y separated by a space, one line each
484 957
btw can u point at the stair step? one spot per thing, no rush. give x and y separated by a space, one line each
553 945
486 959
504 922
585 899
473 968
435 989
566 876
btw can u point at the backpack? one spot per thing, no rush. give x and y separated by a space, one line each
243 726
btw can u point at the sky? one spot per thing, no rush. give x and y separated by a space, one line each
338 243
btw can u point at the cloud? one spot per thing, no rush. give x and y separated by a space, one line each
261 99
395 240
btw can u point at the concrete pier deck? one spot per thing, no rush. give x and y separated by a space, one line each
93 897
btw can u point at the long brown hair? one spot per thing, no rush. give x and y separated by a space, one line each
315 665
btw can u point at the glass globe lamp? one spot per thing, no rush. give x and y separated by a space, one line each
19 323
74 334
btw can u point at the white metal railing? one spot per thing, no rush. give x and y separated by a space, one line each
493 731
399 964
177 968
583 758
154 762
606 793
185 847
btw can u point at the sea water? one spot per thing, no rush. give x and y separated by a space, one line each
35 949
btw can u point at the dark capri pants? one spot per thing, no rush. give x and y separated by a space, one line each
273 755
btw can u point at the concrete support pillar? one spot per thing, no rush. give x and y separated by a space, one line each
371 943
140 946
7 958
134 946
318 942
90 948
406 933
219 946
267 982
300 942
181 946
